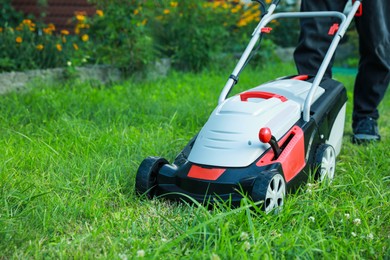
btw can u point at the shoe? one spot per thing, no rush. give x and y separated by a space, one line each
365 131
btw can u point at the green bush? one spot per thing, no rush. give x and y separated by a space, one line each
132 34
286 30
8 15
120 37
191 32
31 46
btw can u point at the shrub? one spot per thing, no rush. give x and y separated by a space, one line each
120 36
191 31
286 30
31 46
130 34
8 15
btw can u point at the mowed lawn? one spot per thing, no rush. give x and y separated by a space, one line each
69 153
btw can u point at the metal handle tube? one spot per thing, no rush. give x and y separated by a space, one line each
256 35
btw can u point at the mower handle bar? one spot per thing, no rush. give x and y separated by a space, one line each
269 16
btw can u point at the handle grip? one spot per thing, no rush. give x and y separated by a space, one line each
261 94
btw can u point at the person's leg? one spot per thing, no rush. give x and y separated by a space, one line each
314 40
374 66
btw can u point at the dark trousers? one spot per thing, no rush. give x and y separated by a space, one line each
373 28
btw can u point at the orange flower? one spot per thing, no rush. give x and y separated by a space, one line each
51 26
59 47
166 11
75 46
1 29
46 30
64 32
100 13
49 29
39 47
19 39
26 21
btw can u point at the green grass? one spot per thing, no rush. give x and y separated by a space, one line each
69 154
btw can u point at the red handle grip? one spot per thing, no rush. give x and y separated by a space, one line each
260 94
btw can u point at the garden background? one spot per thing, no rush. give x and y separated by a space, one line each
69 149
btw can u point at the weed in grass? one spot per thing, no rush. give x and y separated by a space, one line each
69 154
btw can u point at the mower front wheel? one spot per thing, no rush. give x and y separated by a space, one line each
146 178
270 187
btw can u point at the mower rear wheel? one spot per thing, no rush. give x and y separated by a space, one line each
270 187
146 178
325 163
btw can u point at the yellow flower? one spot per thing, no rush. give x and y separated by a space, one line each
51 26
39 47
1 29
80 17
85 37
166 11
77 30
236 9
241 23
136 11
100 13
75 46
46 30
64 32
18 39
173 4
268 1
59 47
49 29
26 21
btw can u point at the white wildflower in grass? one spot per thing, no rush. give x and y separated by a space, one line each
215 257
244 236
370 236
353 234
69 63
274 233
347 216
357 221
247 246
140 253
312 219
122 256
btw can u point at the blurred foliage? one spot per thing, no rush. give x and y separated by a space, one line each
132 34
8 15
31 46
120 35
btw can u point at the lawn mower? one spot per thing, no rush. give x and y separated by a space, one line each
264 142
